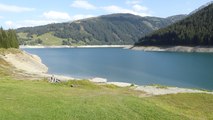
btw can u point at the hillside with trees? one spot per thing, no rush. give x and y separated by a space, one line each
8 39
195 30
104 30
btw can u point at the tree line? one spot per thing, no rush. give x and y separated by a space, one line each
196 29
8 39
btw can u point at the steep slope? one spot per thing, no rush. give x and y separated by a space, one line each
21 61
107 29
196 29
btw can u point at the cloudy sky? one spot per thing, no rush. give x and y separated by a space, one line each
23 13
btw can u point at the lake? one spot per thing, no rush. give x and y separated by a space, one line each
191 70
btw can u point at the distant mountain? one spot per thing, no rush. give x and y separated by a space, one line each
196 29
108 29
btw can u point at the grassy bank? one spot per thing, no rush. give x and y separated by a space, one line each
24 100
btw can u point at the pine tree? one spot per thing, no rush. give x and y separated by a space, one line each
8 39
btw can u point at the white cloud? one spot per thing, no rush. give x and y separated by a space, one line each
37 22
62 16
135 7
117 9
27 23
1 17
139 8
133 2
9 24
14 8
83 4
54 15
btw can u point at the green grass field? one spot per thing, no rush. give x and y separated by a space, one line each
35 100
50 39
47 38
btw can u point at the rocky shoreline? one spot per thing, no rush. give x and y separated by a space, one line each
150 90
201 49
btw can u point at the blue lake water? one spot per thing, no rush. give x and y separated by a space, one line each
192 70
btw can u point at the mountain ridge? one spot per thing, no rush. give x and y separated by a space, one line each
113 29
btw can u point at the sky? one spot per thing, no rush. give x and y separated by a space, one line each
25 13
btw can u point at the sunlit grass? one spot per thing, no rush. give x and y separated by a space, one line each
49 39
193 106
85 100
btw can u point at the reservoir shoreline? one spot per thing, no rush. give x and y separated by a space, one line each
32 61
188 49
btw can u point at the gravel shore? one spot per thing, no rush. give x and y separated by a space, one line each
174 48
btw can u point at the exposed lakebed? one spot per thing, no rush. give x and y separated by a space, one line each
191 70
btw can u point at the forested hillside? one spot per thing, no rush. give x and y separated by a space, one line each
104 30
8 39
197 29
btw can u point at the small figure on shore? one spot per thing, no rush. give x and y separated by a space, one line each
53 79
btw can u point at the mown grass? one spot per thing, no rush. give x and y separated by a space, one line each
192 106
33 100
